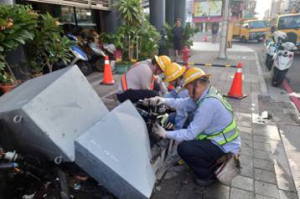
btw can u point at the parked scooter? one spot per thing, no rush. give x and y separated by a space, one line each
80 57
283 57
95 53
270 51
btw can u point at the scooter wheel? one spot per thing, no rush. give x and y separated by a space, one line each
278 76
85 67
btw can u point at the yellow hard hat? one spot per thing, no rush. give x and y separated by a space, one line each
163 61
192 74
173 71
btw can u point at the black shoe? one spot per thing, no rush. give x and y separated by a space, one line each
205 183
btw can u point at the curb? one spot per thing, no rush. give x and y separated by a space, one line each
263 85
289 90
207 64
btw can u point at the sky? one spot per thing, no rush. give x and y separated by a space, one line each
262 6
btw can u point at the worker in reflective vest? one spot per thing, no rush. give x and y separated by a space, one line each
211 134
138 83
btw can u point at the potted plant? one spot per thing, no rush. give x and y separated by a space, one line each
16 25
123 66
7 82
48 46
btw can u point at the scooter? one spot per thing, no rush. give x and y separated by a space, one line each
283 57
270 51
80 57
95 53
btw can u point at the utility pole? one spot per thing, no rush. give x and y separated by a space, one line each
8 2
224 33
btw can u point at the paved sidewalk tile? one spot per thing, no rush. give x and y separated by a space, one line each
262 146
264 164
217 191
266 176
243 183
247 171
241 194
257 196
246 160
260 154
266 189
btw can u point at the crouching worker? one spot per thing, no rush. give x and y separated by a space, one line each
211 135
138 83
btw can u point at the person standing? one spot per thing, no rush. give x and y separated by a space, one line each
214 32
178 38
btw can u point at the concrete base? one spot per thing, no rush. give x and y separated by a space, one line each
119 157
46 114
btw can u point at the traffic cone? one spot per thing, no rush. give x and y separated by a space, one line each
205 38
108 77
236 87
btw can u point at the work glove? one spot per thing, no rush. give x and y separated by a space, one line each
157 101
159 131
146 102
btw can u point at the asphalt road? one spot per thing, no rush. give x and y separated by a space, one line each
293 75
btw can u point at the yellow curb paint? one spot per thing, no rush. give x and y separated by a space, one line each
208 65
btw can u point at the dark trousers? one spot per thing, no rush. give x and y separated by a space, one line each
136 95
200 156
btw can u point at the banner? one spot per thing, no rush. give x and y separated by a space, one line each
204 8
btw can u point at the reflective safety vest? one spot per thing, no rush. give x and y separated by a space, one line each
124 80
229 133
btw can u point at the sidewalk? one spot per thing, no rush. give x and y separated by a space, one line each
266 173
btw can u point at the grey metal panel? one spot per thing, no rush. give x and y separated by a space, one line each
56 109
116 152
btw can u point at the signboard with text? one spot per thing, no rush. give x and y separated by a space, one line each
204 8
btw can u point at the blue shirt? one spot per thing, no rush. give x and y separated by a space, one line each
210 118
181 114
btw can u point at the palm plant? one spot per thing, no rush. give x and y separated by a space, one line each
16 28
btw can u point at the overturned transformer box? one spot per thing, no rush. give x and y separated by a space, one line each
116 152
46 114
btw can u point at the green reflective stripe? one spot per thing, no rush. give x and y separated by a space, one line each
201 136
229 128
230 139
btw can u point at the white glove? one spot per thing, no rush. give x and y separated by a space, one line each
146 102
159 131
157 101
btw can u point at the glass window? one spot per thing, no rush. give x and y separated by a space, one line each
67 15
258 24
85 17
289 22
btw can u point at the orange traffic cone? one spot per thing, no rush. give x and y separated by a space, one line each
108 77
205 38
236 87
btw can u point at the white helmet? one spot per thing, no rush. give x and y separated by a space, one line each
279 35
